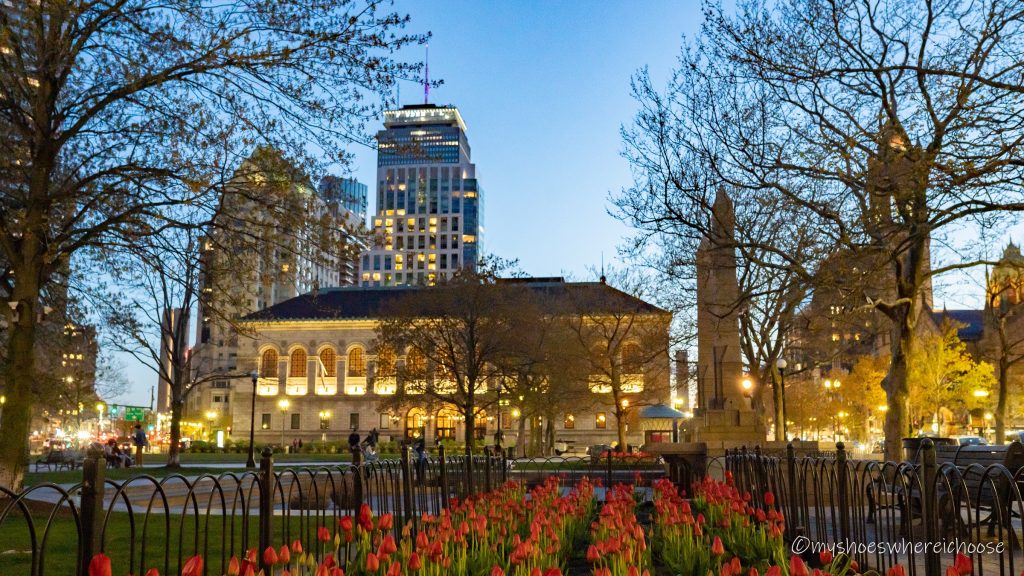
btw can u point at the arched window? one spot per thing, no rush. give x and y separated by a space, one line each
329 361
414 423
268 364
356 362
385 362
297 364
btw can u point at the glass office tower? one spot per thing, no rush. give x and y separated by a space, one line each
429 217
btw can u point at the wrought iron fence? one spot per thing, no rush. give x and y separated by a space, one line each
917 513
145 522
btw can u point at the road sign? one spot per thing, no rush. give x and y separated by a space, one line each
134 414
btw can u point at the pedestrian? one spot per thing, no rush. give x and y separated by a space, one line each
300 443
353 443
141 441
420 447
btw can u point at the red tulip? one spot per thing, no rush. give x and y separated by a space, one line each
385 522
234 567
336 571
395 569
962 564
752 572
773 571
769 499
372 562
952 571
718 549
388 545
825 556
285 555
296 546
592 554
553 572
323 534
193 566
152 572
100 565
249 570
345 522
270 556
250 555
497 571
855 566
633 571
797 566
365 517
896 570
321 570
535 572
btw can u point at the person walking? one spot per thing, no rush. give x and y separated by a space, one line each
140 441
353 443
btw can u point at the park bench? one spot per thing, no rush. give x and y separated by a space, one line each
54 459
968 484
974 487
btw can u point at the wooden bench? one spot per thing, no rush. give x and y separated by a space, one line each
52 459
972 487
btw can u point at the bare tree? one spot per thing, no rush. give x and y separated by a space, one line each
621 343
114 112
889 125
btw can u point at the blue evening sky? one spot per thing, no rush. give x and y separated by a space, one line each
543 88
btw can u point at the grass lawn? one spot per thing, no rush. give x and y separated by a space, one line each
217 538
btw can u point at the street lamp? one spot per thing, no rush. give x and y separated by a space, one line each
99 418
781 365
283 404
250 462
211 415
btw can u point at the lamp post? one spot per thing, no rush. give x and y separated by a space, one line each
283 404
211 416
832 390
250 462
781 365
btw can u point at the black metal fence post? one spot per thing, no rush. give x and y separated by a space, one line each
267 488
609 471
93 478
791 496
929 515
444 475
844 494
357 479
487 471
407 485
504 467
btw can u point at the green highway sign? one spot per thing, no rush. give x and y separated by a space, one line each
134 414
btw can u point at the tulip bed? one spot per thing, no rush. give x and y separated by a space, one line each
512 532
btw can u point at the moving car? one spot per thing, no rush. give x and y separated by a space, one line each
971 441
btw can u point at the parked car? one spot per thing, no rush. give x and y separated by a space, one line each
971 441
598 451
561 447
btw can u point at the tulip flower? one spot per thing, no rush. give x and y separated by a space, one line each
395 569
285 555
372 562
592 554
323 534
152 572
270 556
296 546
234 566
952 571
365 517
717 548
769 499
497 571
336 571
963 565
385 521
896 570
553 572
193 566
100 565
797 567
825 556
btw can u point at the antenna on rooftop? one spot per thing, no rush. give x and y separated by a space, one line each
603 278
426 77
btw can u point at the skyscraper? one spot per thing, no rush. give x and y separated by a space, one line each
429 215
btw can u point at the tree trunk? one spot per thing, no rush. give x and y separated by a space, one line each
778 406
174 450
1001 401
620 424
17 417
897 390
521 437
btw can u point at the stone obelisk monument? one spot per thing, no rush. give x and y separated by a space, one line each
723 411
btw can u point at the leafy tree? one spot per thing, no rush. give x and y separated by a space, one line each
115 113
943 374
862 390
885 126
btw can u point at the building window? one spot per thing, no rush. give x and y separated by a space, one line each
356 362
445 425
296 421
385 422
297 364
220 383
600 421
325 420
268 364
353 420
385 362
265 422
329 362
570 422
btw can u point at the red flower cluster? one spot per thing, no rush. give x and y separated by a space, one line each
619 543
